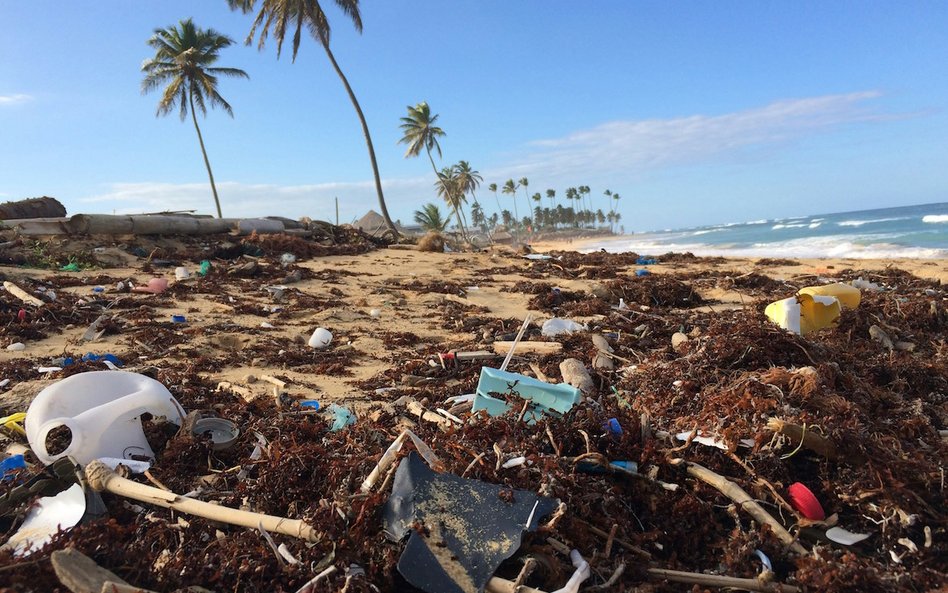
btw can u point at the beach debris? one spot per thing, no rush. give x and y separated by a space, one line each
103 479
803 500
100 412
542 398
847 295
879 335
178 319
642 272
845 537
80 574
468 527
711 441
341 417
222 432
527 347
802 436
22 294
11 465
602 359
154 286
862 284
320 339
813 308
182 273
678 340
556 326
574 373
432 242
16 347
48 516
519 336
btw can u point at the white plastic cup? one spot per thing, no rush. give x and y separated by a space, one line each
181 273
320 338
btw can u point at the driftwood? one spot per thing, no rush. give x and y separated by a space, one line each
799 434
22 294
80 574
502 347
103 479
745 502
44 207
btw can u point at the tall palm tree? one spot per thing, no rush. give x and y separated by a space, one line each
469 179
309 13
449 189
511 188
184 58
551 193
430 218
493 187
419 131
524 183
616 197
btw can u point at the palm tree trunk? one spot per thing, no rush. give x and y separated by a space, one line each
368 139
451 203
207 163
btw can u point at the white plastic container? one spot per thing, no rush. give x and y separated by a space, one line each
320 338
182 273
102 410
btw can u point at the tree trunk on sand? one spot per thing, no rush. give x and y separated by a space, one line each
44 207
207 163
368 138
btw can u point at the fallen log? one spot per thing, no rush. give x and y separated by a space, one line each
44 207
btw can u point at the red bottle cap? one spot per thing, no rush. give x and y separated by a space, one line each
804 501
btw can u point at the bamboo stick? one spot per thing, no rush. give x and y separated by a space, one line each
22 294
103 479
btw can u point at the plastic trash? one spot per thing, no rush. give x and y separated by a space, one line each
17 347
556 326
47 517
613 427
98 289
645 261
545 398
847 295
12 422
805 313
71 267
223 432
90 357
866 285
182 273
102 411
845 537
287 259
21 315
320 338
154 286
10 465
806 502
642 273
178 319
205 268
341 417
309 403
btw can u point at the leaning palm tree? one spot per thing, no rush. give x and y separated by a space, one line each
184 58
511 188
279 13
524 183
430 218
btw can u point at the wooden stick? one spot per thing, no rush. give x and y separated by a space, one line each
745 502
713 580
811 440
22 294
103 479
503 347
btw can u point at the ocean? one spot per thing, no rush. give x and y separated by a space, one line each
907 231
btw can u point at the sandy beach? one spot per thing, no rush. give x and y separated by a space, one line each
692 351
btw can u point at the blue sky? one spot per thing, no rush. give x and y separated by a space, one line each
694 112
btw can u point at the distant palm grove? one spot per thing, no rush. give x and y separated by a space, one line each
185 58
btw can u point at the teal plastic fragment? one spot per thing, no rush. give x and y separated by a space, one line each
545 397
341 417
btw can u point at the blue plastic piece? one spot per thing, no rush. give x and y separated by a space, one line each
11 464
178 318
90 357
309 403
645 261
546 398
341 417
642 273
613 426
629 467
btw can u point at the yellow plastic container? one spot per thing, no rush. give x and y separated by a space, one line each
848 296
805 313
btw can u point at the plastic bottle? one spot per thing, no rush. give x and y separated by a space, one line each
101 409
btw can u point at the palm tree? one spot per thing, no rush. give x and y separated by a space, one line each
493 187
184 55
551 193
310 14
430 219
469 179
524 183
449 189
615 197
511 188
419 131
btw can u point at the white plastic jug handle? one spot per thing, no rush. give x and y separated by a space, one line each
128 406
49 426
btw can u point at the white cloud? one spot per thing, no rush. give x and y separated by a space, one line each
248 200
14 99
633 146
